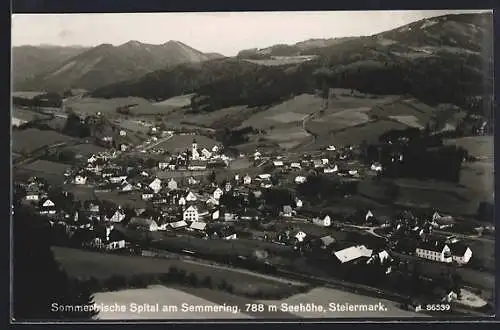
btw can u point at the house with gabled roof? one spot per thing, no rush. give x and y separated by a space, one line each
190 214
217 194
353 253
47 206
198 225
247 179
155 185
178 224
191 197
143 224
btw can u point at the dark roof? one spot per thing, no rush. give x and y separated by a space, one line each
458 248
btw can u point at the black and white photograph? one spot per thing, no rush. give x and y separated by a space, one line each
237 166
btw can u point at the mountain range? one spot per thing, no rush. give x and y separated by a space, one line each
446 59
102 65
29 61
441 59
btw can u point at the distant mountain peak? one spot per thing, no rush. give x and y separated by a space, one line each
133 43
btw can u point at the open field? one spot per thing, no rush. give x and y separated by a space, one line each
370 132
293 110
176 101
132 199
445 197
80 193
478 176
239 247
327 296
27 115
182 142
478 146
338 120
164 297
227 117
28 140
50 171
27 95
287 137
84 264
484 251
90 106
85 149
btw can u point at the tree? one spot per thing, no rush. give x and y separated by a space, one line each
39 282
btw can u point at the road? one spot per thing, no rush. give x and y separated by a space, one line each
152 145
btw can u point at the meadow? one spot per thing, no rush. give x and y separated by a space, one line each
31 139
85 264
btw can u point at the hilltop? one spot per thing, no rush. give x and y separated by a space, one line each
28 61
108 64
438 60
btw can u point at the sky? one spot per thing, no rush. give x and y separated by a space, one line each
224 32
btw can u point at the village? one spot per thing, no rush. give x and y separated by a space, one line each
189 201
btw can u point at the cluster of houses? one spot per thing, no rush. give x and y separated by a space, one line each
428 245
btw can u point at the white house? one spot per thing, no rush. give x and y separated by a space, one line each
298 203
163 165
331 148
118 216
92 159
257 155
216 215
215 149
190 214
143 224
287 211
331 169
147 195
300 179
32 195
377 167
264 176
353 253
460 253
80 179
192 181
324 161
212 201
182 201
296 166
437 251
217 194
278 163
353 172
191 197
325 222
117 179
127 186
116 245
172 184
47 207
205 153
247 179
300 236
155 185
368 215
123 133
